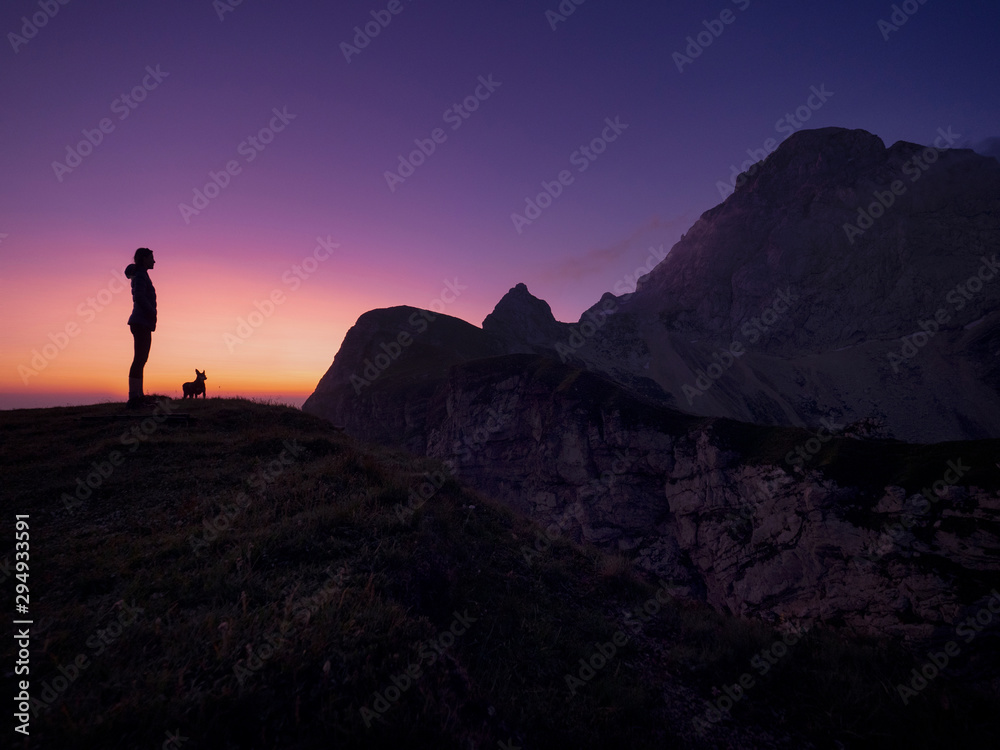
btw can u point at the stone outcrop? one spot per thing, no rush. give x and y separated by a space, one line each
524 323
682 496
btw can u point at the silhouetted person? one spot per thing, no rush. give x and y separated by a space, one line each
142 321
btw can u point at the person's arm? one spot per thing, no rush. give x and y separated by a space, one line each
145 299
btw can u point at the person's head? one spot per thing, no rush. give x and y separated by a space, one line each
144 258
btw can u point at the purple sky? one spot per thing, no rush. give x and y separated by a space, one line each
219 78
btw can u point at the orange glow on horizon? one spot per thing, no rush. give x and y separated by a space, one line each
266 329
251 335
259 327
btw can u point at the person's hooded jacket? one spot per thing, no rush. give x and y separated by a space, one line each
143 298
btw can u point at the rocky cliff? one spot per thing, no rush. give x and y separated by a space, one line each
716 425
768 522
840 276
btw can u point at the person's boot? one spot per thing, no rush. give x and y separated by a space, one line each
135 398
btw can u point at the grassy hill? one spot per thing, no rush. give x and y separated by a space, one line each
251 578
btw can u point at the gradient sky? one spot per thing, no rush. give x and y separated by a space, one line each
211 76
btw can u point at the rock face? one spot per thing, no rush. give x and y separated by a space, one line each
788 311
764 535
524 322
400 349
790 302
795 224
666 424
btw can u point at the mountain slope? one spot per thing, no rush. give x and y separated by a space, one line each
253 578
776 308
785 228
771 522
842 279
768 312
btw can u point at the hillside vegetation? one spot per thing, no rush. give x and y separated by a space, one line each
251 578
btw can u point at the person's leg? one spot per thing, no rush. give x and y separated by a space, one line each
142 338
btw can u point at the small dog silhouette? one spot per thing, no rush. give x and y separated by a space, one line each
191 390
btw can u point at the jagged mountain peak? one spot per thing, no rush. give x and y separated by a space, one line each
796 298
807 156
827 149
518 300
523 320
873 237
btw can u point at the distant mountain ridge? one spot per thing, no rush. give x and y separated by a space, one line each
841 278
776 308
796 222
771 312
